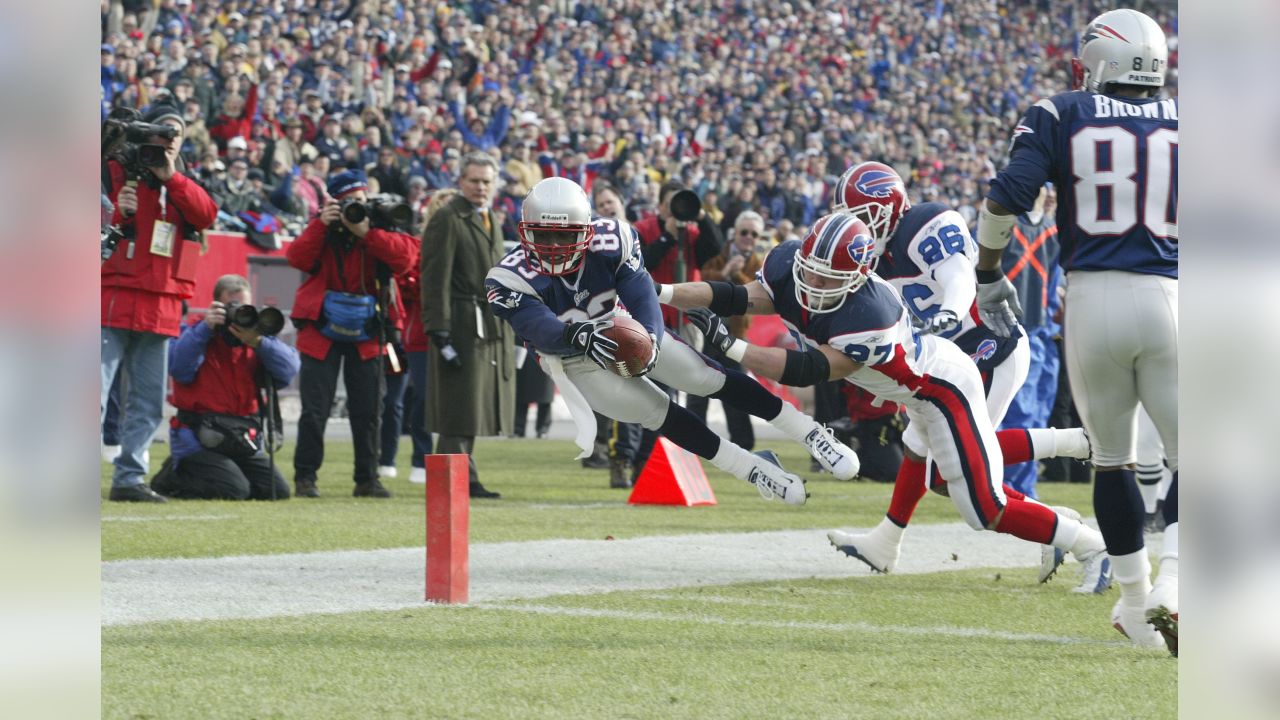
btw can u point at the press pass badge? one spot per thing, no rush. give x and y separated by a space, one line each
479 323
162 236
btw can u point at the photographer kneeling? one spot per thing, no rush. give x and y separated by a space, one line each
350 256
217 441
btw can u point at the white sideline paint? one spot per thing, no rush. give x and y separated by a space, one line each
260 586
158 518
944 630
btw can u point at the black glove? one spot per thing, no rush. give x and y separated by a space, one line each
942 322
586 336
713 328
441 342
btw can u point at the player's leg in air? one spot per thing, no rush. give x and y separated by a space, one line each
881 547
952 424
684 368
638 400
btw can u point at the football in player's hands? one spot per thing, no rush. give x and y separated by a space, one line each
589 337
636 352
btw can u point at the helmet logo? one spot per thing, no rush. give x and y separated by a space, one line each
876 183
860 249
1102 31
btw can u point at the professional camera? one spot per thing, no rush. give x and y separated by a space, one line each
385 212
127 140
685 205
267 321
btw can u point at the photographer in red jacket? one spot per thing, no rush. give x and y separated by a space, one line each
216 441
143 284
340 311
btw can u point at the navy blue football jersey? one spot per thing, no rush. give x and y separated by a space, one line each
1114 162
538 306
872 327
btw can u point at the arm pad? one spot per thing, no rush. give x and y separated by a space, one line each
993 230
805 368
727 299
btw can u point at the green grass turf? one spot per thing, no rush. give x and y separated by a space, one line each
856 648
545 494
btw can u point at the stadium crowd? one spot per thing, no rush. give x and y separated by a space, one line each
756 105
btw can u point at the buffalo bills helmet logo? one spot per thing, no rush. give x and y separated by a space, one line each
876 183
986 349
861 249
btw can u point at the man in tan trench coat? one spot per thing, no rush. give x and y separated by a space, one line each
471 376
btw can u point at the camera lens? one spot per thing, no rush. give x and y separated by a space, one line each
270 321
355 212
246 316
685 205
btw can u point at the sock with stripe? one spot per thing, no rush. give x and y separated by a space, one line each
1149 477
908 490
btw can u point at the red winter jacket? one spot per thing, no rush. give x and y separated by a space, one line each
329 268
227 127
145 292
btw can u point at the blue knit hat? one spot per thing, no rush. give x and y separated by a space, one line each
347 182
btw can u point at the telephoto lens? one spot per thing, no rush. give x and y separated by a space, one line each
685 205
354 211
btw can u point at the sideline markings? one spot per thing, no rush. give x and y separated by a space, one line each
260 586
155 518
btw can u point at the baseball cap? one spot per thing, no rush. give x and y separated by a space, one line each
108 49
238 142
256 174
529 117
445 63
451 153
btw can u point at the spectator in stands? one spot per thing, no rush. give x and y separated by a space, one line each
390 176
217 440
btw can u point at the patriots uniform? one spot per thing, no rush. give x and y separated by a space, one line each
1114 161
936 382
538 306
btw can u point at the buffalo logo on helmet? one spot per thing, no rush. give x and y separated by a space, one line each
861 249
876 183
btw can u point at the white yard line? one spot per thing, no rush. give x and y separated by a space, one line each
140 591
157 518
938 630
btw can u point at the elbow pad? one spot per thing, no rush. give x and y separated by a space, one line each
993 230
727 299
805 368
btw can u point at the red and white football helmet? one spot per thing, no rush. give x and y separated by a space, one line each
556 227
836 258
874 194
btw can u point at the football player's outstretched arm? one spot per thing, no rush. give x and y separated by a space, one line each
722 298
797 368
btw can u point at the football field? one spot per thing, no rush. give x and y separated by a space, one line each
313 608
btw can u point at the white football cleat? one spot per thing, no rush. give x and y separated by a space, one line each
1161 610
774 483
1097 573
418 476
1132 624
1051 558
879 552
834 456
386 471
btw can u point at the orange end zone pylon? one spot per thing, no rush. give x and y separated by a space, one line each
448 515
672 476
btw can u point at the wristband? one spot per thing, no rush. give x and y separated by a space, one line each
988 276
993 230
736 351
665 293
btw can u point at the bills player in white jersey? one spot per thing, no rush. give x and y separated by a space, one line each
857 328
926 252
1111 149
560 288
